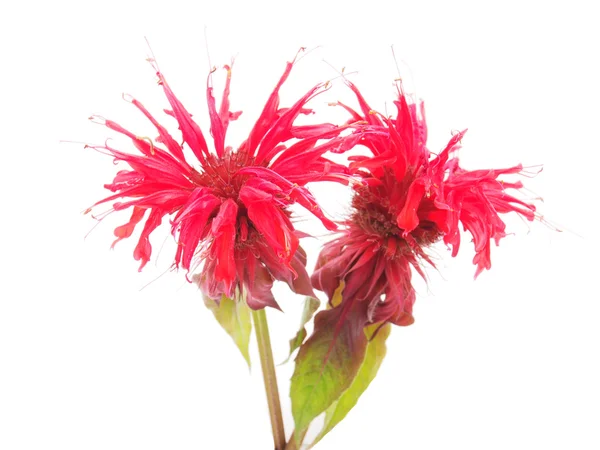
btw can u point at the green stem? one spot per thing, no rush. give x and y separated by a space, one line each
269 377
296 442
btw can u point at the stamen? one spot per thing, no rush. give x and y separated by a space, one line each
98 220
300 50
95 118
397 66
531 171
85 144
168 269
206 46
554 226
147 139
151 59
127 97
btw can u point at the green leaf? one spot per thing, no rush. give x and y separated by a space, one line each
234 316
374 355
327 363
311 305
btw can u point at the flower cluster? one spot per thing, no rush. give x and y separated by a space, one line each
409 198
229 209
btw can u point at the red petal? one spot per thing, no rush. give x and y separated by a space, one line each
271 222
222 249
143 249
189 129
408 218
126 230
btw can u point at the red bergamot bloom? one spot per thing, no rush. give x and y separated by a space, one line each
229 209
409 198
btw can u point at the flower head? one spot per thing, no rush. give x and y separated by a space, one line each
229 208
408 199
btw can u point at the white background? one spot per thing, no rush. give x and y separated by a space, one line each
88 360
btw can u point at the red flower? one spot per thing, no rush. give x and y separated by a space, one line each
229 213
409 199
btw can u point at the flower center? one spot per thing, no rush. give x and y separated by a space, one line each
377 216
221 174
